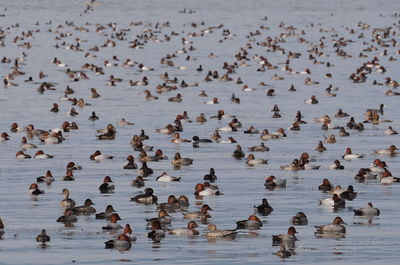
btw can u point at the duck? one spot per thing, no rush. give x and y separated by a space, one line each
202 214
299 219
202 118
86 208
147 197
349 194
387 178
67 202
149 96
230 140
264 208
144 170
368 211
331 139
205 189
216 233
390 151
107 186
72 166
189 231
350 156
335 227
177 139
287 239
123 122
138 182
169 129
212 101
259 148
68 217
252 223
113 225
69 176
342 132
122 243
210 176
129 233
229 128
34 189
336 165
93 117
164 177
179 161
294 166
251 160
47 178
106 214
326 186
238 153
1 228
163 217
41 155
25 144
337 190
283 253
312 100
390 131
183 202
177 98
272 182
251 130
341 114
363 174
131 163
108 133
98 156
320 147
43 237
171 205
156 231
334 202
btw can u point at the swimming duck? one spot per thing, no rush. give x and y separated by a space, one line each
156 231
47 178
202 214
123 122
86 208
390 151
107 186
108 133
320 147
205 189
131 163
129 233
264 208
41 155
390 131
147 197
299 219
349 194
171 205
211 176
164 177
98 156
387 178
334 202
283 253
68 217
287 239
67 202
138 182
177 98
331 139
179 161
25 144
202 118
166 130
215 233
93 117
189 231
350 156
368 211
251 160
342 132
251 130
107 214
259 148
34 189
43 237
163 217
341 114
294 166
230 140
178 139
326 186
272 182
335 227
69 176
73 166
122 243
229 128
238 153
253 222
145 171
4 136
312 100
336 165
113 225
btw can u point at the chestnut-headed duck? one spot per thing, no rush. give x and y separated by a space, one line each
178 139
215 233
251 160
183 201
390 151
229 128
253 222
326 186
123 242
47 178
337 190
350 156
334 202
131 163
54 108
202 214
143 157
387 178
166 130
272 182
22 155
138 182
312 100
34 189
230 140
216 136
53 138
222 115
323 119
335 227
25 144
145 171
299 219
212 101
108 133
98 156
189 231
41 155
251 130
129 233
205 189
336 165
286 239
156 231
113 225
93 93
69 176
349 194
163 217
295 126
164 177
368 211
211 176
43 237
390 131
264 208
363 174
86 208
107 214
147 197
179 161
107 186
68 217
15 128
171 205
4 136
235 99
67 202
294 166
93 117
320 147
331 139
72 112
73 166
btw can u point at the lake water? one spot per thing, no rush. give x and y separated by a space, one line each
242 186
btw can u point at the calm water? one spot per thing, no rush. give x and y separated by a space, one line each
242 186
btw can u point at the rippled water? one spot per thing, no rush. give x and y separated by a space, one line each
242 186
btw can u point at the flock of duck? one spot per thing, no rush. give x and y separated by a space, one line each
379 52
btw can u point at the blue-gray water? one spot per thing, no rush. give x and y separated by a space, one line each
242 186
